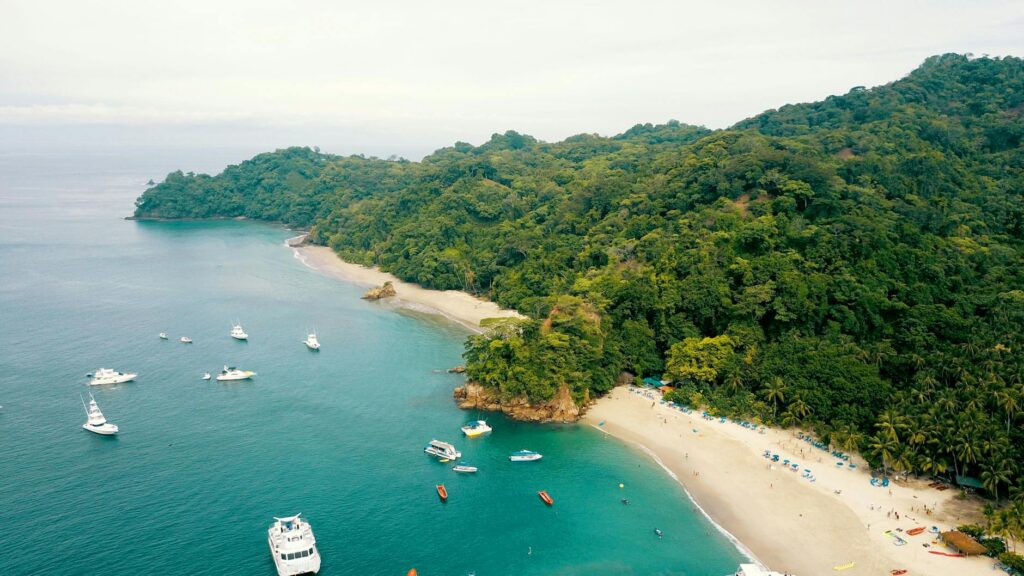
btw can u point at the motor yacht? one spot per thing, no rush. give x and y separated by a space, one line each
478 428
293 546
185 340
110 376
95 421
237 333
232 373
442 450
311 342
525 456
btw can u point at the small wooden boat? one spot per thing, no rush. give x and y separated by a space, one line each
915 531
546 497
442 492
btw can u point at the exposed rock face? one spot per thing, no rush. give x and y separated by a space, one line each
561 408
457 369
379 292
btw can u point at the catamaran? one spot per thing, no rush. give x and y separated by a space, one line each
110 376
311 342
237 333
525 456
95 422
442 450
478 428
232 373
293 546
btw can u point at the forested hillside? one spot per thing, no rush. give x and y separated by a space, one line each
854 265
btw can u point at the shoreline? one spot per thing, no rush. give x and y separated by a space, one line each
777 517
459 307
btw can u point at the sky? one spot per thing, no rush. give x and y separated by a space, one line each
407 77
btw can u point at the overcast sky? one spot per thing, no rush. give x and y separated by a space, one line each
407 77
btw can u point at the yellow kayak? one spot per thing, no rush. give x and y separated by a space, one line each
846 566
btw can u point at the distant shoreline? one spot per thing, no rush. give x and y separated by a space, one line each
459 307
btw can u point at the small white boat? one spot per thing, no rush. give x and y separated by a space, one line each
95 421
755 570
206 375
442 450
525 456
109 376
464 468
293 546
232 373
185 340
237 333
311 342
478 428
163 335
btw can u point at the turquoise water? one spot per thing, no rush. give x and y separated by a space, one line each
191 483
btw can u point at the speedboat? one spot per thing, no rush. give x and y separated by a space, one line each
163 335
311 342
293 546
464 468
206 375
185 340
109 376
237 333
477 428
95 422
232 373
442 450
525 456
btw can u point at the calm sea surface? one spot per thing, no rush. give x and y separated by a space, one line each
199 469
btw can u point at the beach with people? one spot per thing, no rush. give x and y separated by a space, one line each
808 512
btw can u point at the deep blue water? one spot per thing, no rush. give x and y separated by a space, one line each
199 469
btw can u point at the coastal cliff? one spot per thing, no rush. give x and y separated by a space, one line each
561 408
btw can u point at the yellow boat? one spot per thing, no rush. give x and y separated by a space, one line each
846 566
474 429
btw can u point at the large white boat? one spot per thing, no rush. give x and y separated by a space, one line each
311 342
110 376
442 450
525 456
478 428
237 333
232 373
95 421
293 546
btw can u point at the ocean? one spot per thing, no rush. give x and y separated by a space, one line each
200 468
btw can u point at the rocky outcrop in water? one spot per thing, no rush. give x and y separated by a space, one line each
384 291
561 408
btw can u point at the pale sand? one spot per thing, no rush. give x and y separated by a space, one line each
788 523
452 304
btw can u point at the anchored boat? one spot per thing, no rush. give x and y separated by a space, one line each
232 373
109 376
442 492
95 421
442 450
525 456
546 497
311 342
293 546
464 468
237 333
478 428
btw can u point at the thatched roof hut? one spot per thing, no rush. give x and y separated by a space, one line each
962 543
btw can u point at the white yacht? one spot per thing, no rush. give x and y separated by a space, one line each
237 333
163 335
185 340
525 456
478 428
109 376
95 422
442 450
464 468
293 546
311 342
232 373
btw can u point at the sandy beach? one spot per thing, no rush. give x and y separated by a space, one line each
787 522
458 306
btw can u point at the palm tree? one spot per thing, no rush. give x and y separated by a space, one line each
775 392
1006 399
890 423
799 408
882 446
994 475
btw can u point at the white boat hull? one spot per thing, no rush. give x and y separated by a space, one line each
231 378
307 565
120 379
314 347
107 429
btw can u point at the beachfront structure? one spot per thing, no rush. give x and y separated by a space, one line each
962 543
